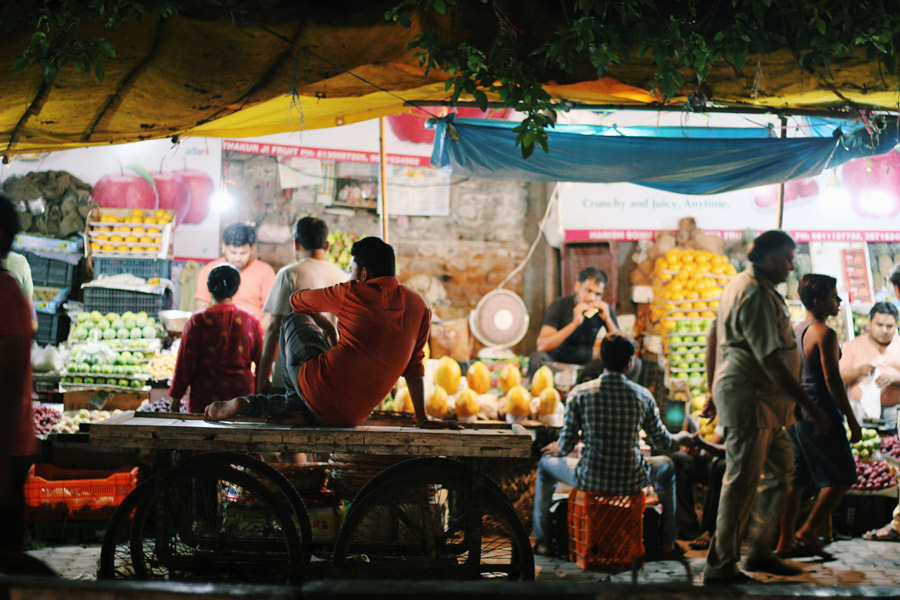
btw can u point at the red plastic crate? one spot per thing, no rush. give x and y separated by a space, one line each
53 494
605 532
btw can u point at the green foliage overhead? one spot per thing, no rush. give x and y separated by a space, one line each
54 42
684 39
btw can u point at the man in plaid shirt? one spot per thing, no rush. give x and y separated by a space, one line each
608 414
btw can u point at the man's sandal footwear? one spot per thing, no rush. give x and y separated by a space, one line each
803 550
876 535
701 543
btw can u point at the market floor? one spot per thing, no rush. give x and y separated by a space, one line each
857 562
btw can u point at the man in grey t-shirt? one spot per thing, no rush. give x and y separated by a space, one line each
313 270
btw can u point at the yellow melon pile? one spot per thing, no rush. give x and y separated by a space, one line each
139 232
687 285
449 396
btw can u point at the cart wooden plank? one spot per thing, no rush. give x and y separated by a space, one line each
129 430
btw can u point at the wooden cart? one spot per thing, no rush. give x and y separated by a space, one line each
223 515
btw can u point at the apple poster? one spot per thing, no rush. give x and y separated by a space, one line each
149 175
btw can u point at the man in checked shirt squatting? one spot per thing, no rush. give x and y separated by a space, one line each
607 414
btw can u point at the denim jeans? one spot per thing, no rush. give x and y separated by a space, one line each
556 469
300 339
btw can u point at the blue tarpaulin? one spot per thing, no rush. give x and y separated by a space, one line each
696 161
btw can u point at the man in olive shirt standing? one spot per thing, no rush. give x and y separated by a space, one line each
755 387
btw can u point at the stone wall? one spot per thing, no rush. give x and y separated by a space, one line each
491 225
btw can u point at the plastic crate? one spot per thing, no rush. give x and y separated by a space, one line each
145 268
108 300
52 329
52 301
605 532
54 494
45 244
859 512
50 272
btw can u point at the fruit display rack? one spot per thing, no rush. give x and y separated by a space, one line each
123 233
111 352
687 286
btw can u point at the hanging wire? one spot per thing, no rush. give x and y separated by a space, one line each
554 198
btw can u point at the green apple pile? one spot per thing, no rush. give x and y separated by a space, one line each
687 348
114 327
687 358
868 445
98 365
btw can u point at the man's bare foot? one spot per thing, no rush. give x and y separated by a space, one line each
225 409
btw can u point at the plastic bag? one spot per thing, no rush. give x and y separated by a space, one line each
871 396
44 360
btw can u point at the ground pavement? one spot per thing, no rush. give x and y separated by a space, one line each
857 562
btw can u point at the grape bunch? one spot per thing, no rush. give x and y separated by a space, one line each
44 419
161 405
890 446
873 476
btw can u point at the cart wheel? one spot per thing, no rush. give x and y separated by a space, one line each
414 526
115 554
210 522
267 475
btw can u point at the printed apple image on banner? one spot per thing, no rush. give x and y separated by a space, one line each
202 187
126 190
766 197
410 126
185 192
873 184
174 193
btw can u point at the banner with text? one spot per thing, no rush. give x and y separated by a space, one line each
826 208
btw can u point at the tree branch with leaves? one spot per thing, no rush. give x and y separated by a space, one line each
683 41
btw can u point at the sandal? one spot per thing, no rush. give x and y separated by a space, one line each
885 534
702 542
804 550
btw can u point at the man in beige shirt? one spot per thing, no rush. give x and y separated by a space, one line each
312 270
755 387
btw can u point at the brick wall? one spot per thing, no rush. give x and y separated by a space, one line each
487 234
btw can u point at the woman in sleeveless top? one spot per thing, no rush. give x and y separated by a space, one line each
823 461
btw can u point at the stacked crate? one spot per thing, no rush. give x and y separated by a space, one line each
54 279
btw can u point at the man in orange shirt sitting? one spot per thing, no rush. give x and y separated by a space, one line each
257 277
336 380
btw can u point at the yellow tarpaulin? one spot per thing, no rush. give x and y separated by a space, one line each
203 73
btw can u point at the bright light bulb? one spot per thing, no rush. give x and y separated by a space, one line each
221 201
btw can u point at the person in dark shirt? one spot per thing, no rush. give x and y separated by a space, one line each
571 325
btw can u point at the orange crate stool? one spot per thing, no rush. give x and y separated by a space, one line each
605 532
53 494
